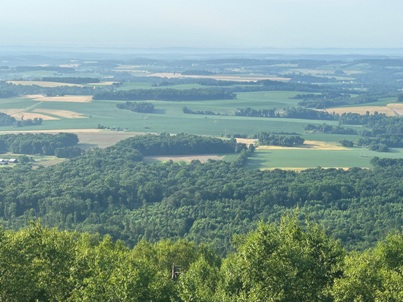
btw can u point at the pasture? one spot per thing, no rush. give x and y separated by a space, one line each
296 159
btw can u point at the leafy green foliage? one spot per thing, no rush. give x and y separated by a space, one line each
321 101
284 263
280 140
347 143
288 261
137 107
329 129
6 120
12 90
43 144
166 144
375 275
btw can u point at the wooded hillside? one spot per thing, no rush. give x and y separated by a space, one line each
113 191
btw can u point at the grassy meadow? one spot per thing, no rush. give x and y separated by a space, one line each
302 159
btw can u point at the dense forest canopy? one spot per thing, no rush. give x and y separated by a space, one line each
280 140
61 145
113 191
180 144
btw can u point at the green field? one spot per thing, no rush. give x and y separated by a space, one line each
169 117
301 159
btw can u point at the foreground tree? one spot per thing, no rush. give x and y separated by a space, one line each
285 262
289 261
374 275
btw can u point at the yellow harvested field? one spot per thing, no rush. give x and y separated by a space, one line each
45 114
247 141
41 83
61 113
20 114
66 98
362 110
246 78
397 108
313 145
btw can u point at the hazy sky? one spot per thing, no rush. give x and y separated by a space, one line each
203 23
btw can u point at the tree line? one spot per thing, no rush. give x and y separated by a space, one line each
329 129
256 112
280 140
43 68
71 80
166 94
12 90
61 145
290 112
187 110
180 144
143 107
384 132
7 120
322 101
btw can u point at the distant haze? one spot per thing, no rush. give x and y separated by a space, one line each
203 23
